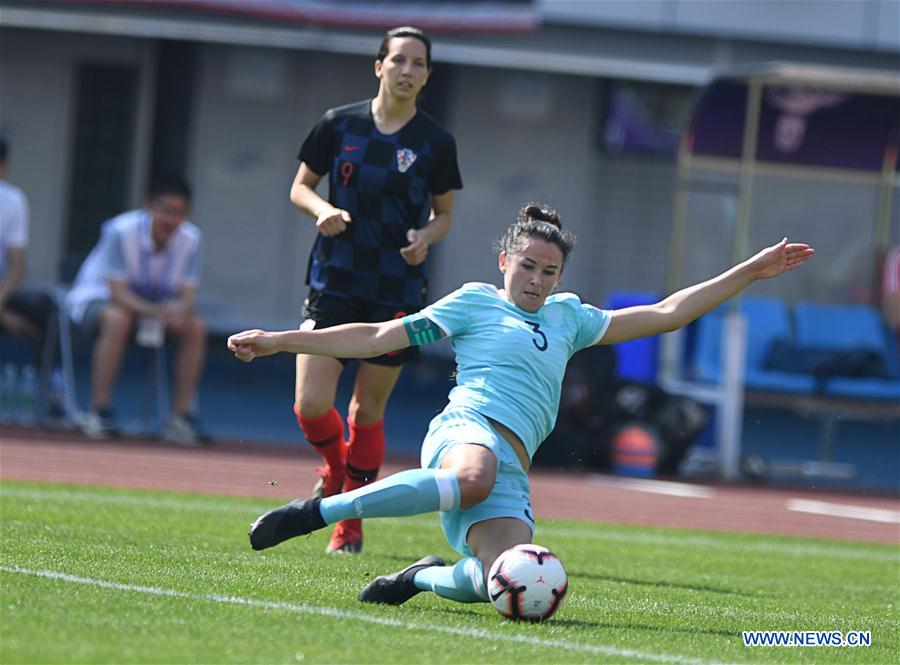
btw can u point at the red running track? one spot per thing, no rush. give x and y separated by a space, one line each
241 469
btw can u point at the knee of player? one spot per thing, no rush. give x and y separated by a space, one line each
366 410
311 405
475 485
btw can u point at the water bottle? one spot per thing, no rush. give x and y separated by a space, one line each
9 393
28 388
56 394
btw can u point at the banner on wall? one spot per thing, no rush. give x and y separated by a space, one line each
643 117
800 125
437 15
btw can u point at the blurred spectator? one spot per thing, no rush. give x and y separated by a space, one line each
142 277
24 312
890 289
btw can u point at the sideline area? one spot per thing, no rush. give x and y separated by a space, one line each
283 472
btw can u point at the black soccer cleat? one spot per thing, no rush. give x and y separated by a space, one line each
397 588
296 518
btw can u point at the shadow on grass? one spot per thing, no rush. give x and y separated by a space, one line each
470 610
404 560
666 585
634 626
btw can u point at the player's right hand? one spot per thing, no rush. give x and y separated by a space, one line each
332 221
252 344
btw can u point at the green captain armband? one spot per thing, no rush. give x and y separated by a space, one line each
421 330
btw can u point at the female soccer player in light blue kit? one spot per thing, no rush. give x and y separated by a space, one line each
512 346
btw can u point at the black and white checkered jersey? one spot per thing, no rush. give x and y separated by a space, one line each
386 183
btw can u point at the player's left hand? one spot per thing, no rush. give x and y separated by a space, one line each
417 249
252 344
778 259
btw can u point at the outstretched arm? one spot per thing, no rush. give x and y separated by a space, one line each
684 306
351 340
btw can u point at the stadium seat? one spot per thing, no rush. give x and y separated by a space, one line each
155 389
768 320
638 359
850 328
21 351
844 327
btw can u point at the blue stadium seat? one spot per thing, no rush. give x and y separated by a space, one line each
768 320
881 389
638 359
844 327
849 328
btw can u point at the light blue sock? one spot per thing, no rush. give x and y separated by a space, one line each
463 581
405 493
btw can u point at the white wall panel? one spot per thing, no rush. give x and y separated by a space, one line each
252 112
509 156
36 115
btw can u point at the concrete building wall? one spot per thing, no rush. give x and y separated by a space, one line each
522 135
37 77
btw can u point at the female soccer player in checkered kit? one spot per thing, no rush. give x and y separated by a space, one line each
391 171
512 346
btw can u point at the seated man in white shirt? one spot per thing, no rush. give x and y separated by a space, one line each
24 312
143 277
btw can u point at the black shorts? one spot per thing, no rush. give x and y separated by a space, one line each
328 311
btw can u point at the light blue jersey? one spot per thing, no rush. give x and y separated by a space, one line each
511 362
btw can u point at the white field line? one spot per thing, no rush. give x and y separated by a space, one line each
588 531
65 495
844 510
471 633
654 486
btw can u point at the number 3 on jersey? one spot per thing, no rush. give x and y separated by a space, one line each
536 327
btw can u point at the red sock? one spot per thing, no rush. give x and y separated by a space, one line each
365 454
326 434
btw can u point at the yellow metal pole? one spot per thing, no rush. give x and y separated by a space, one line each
748 163
679 210
885 199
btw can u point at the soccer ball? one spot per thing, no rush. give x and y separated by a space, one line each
527 583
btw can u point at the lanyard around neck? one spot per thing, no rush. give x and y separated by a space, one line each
148 287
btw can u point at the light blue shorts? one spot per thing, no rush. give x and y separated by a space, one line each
511 496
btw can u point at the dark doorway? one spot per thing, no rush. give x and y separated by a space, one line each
106 101
175 68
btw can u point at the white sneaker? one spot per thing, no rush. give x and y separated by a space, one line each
98 424
183 430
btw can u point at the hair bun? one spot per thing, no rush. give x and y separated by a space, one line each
532 212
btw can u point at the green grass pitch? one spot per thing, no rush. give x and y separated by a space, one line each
96 575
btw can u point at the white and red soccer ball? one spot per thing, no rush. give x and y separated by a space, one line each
527 583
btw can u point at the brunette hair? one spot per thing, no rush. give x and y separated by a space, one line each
168 184
536 221
404 31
